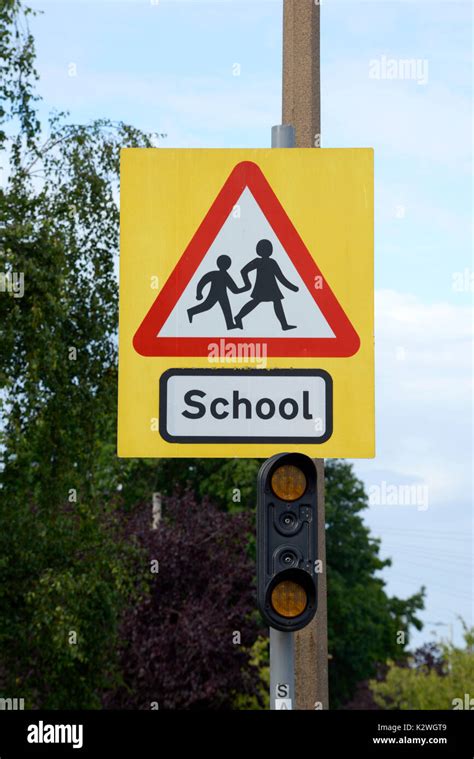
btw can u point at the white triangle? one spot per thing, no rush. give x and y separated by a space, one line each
238 238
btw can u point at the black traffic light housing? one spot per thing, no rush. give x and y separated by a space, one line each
287 541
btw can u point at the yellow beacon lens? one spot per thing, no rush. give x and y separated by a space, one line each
288 482
289 599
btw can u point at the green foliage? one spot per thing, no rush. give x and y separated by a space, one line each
64 566
260 658
230 483
71 610
363 621
420 687
17 72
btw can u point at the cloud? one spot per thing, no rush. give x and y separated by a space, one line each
424 368
425 447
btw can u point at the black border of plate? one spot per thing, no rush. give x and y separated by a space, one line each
246 372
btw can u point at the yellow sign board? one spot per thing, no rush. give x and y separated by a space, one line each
246 303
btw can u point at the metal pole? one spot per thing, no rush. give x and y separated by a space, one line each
282 669
282 644
301 111
283 136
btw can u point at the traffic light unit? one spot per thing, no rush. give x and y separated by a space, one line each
287 541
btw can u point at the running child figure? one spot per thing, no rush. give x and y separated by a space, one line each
220 282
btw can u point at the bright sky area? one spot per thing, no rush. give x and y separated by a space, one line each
170 66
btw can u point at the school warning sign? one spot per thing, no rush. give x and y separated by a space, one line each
246 302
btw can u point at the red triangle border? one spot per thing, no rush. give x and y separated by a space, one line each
247 174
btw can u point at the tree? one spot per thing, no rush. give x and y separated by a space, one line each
364 623
64 575
429 656
230 483
189 641
18 74
424 686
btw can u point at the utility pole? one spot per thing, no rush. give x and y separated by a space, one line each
311 643
301 71
301 128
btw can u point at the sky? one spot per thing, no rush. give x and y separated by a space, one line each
208 74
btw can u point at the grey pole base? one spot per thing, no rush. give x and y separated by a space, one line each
282 644
282 669
283 136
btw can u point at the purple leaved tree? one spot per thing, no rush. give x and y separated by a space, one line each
181 646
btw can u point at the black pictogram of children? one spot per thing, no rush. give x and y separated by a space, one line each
265 289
